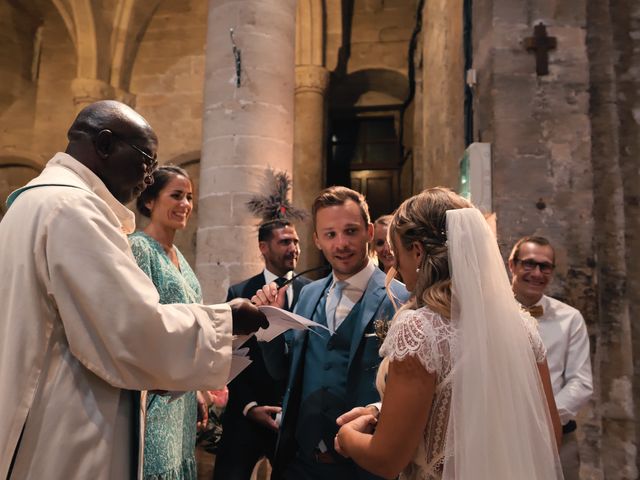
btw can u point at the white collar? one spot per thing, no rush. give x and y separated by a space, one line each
271 277
125 216
360 280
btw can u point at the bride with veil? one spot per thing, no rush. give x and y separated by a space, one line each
465 383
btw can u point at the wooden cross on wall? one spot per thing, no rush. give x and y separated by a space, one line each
541 44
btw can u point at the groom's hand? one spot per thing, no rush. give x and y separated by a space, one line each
357 412
264 415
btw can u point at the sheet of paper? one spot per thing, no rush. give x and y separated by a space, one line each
280 321
239 361
239 340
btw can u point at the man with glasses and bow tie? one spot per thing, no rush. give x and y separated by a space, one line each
249 426
564 334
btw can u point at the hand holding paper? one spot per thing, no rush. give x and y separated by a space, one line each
246 317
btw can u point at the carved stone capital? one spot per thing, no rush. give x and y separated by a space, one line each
125 97
311 78
89 90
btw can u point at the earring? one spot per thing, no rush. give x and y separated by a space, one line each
418 270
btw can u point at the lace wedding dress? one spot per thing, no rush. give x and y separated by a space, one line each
432 340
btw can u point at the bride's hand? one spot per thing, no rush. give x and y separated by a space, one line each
363 424
270 295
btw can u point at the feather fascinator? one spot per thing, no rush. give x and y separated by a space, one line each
276 205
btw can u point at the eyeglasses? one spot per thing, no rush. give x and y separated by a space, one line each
150 161
530 266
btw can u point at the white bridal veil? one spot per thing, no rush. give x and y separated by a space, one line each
499 425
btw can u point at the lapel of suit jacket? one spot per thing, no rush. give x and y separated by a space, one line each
252 285
297 287
313 293
371 300
261 281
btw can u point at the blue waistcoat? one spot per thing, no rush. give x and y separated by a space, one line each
324 394
318 362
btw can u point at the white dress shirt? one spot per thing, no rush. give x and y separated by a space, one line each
352 293
271 277
564 334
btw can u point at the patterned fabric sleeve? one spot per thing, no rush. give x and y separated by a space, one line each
417 333
531 326
142 253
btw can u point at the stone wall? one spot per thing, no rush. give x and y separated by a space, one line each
17 35
378 45
626 38
37 106
54 108
168 79
380 34
539 130
558 162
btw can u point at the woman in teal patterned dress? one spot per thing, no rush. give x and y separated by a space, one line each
170 432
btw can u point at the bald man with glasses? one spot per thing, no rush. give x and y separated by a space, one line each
564 334
81 325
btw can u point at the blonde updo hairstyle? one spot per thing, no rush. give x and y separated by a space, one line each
422 219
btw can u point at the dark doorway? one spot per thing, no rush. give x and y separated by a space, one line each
364 154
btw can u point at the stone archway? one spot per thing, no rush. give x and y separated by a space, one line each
348 91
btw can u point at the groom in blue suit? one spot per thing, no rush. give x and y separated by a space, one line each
332 372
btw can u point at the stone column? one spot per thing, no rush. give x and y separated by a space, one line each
246 130
625 15
443 95
614 369
309 151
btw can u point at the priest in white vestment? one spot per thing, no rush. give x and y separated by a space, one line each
80 323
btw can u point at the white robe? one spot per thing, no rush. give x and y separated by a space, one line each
79 323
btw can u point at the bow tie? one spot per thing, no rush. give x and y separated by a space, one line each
535 310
